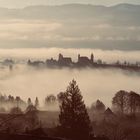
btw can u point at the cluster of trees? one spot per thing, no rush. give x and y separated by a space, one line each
126 103
75 118
35 104
11 103
50 100
76 121
7 102
28 107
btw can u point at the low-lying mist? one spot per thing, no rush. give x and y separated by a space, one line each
26 81
45 53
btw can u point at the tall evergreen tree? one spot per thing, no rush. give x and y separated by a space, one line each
18 100
98 107
73 113
36 102
29 102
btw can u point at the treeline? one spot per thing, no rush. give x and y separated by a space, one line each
118 123
123 103
126 103
9 102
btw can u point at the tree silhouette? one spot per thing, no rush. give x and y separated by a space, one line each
133 102
31 108
32 115
17 100
50 100
119 101
29 102
16 110
36 102
73 113
127 102
60 97
98 106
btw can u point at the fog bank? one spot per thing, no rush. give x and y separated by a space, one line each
95 84
47 53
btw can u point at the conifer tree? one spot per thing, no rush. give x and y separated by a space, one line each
36 102
73 113
29 102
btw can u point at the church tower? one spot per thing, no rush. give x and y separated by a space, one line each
78 57
60 57
92 58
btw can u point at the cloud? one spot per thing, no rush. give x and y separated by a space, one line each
23 3
45 26
61 32
26 30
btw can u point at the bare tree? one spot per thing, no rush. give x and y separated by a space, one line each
133 102
119 101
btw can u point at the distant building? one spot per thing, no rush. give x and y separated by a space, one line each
35 63
67 61
51 62
83 60
108 112
8 62
109 116
64 61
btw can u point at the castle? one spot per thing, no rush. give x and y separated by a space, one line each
64 60
82 61
67 61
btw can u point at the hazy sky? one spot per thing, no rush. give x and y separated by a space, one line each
23 3
74 27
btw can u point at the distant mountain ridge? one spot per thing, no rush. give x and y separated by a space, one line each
72 26
73 11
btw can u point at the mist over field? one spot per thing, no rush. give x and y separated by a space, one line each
95 84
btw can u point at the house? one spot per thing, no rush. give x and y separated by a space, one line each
35 63
109 116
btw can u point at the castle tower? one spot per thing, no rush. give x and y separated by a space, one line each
60 57
92 58
78 57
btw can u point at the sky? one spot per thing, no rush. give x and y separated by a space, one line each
64 27
24 3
